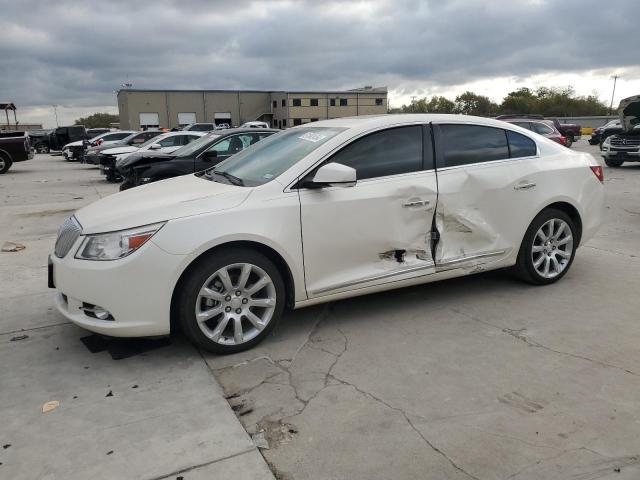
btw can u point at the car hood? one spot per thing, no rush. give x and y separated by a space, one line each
177 197
79 143
119 150
147 156
629 112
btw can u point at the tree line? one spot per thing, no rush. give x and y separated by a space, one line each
550 102
98 120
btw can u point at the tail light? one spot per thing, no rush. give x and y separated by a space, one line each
99 141
598 172
562 140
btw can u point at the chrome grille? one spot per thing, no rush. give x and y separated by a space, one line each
69 232
625 142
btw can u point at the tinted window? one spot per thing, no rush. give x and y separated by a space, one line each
526 125
541 128
520 146
297 121
234 144
332 102
465 144
275 104
284 102
297 102
173 141
378 101
390 152
343 102
313 102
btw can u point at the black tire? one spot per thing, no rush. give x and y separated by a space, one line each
113 177
613 163
569 141
524 267
41 148
207 266
5 163
126 185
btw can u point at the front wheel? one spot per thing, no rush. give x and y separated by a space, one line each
41 148
568 141
5 163
610 162
548 248
231 300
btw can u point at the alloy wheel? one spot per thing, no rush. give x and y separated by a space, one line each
552 248
235 304
2 163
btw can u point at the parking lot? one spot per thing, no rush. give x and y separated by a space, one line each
481 377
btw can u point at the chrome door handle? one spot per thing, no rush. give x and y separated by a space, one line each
524 186
416 203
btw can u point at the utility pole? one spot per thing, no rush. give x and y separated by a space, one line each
615 79
55 111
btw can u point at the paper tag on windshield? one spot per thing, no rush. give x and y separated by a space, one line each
312 137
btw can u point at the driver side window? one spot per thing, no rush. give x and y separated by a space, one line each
231 145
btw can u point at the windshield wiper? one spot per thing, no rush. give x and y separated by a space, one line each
231 178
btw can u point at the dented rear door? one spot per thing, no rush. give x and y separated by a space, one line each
484 201
379 230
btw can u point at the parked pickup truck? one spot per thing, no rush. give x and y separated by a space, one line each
570 131
14 147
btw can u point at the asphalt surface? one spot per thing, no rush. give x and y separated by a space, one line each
481 377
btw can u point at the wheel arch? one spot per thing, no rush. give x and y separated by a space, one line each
570 210
267 251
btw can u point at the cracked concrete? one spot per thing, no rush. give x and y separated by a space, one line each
475 378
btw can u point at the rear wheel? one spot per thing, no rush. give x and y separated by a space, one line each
548 248
5 163
41 148
569 141
231 300
613 163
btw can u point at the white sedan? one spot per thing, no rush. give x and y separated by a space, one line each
321 212
165 143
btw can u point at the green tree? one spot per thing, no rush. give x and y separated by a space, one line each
97 120
470 103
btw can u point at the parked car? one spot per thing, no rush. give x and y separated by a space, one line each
624 146
570 131
325 211
146 167
200 127
255 125
74 151
94 132
62 136
136 138
165 143
40 140
14 147
600 134
545 128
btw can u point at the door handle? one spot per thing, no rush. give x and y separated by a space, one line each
416 203
524 186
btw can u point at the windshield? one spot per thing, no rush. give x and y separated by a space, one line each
194 146
267 159
153 140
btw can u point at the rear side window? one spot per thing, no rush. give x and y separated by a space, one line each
389 152
466 144
521 146
541 128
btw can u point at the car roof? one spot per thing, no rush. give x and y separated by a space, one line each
229 131
374 121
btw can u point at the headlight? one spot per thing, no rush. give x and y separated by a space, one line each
607 141
115 245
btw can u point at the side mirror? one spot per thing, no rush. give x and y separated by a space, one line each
210 156
334 175
155 146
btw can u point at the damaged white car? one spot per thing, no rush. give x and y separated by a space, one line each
321 212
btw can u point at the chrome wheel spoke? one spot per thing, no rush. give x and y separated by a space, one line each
244 276
212 294
215 334
564 241
537 248
555 264
259 285
255 320
262 302
559 230
205 315
545 270
539 261
223 275
563 254
237 330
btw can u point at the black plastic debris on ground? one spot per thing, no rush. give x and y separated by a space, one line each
121 348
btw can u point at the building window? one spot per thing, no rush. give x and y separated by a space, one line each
313 102
284 122
297 102
313 120
332 102
284 102
343 102
275 104
297 121
378 101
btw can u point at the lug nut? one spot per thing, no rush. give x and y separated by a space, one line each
238 310
228 298
245 301
238 293
228 309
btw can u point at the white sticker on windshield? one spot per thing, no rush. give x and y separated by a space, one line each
312 137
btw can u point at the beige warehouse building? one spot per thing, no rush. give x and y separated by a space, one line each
176 108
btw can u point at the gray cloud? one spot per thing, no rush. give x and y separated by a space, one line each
75 53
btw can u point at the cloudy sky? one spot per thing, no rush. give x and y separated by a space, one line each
75 53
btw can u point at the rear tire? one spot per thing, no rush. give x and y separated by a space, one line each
218 311
569 141
613 163
548 248
41 148
126 185
5 163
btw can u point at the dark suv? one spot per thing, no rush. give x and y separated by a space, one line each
206 152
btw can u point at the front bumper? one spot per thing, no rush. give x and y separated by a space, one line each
631 154
136 290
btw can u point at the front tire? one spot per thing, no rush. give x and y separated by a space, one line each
231 300
5 163
613 163
548 248
569 141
